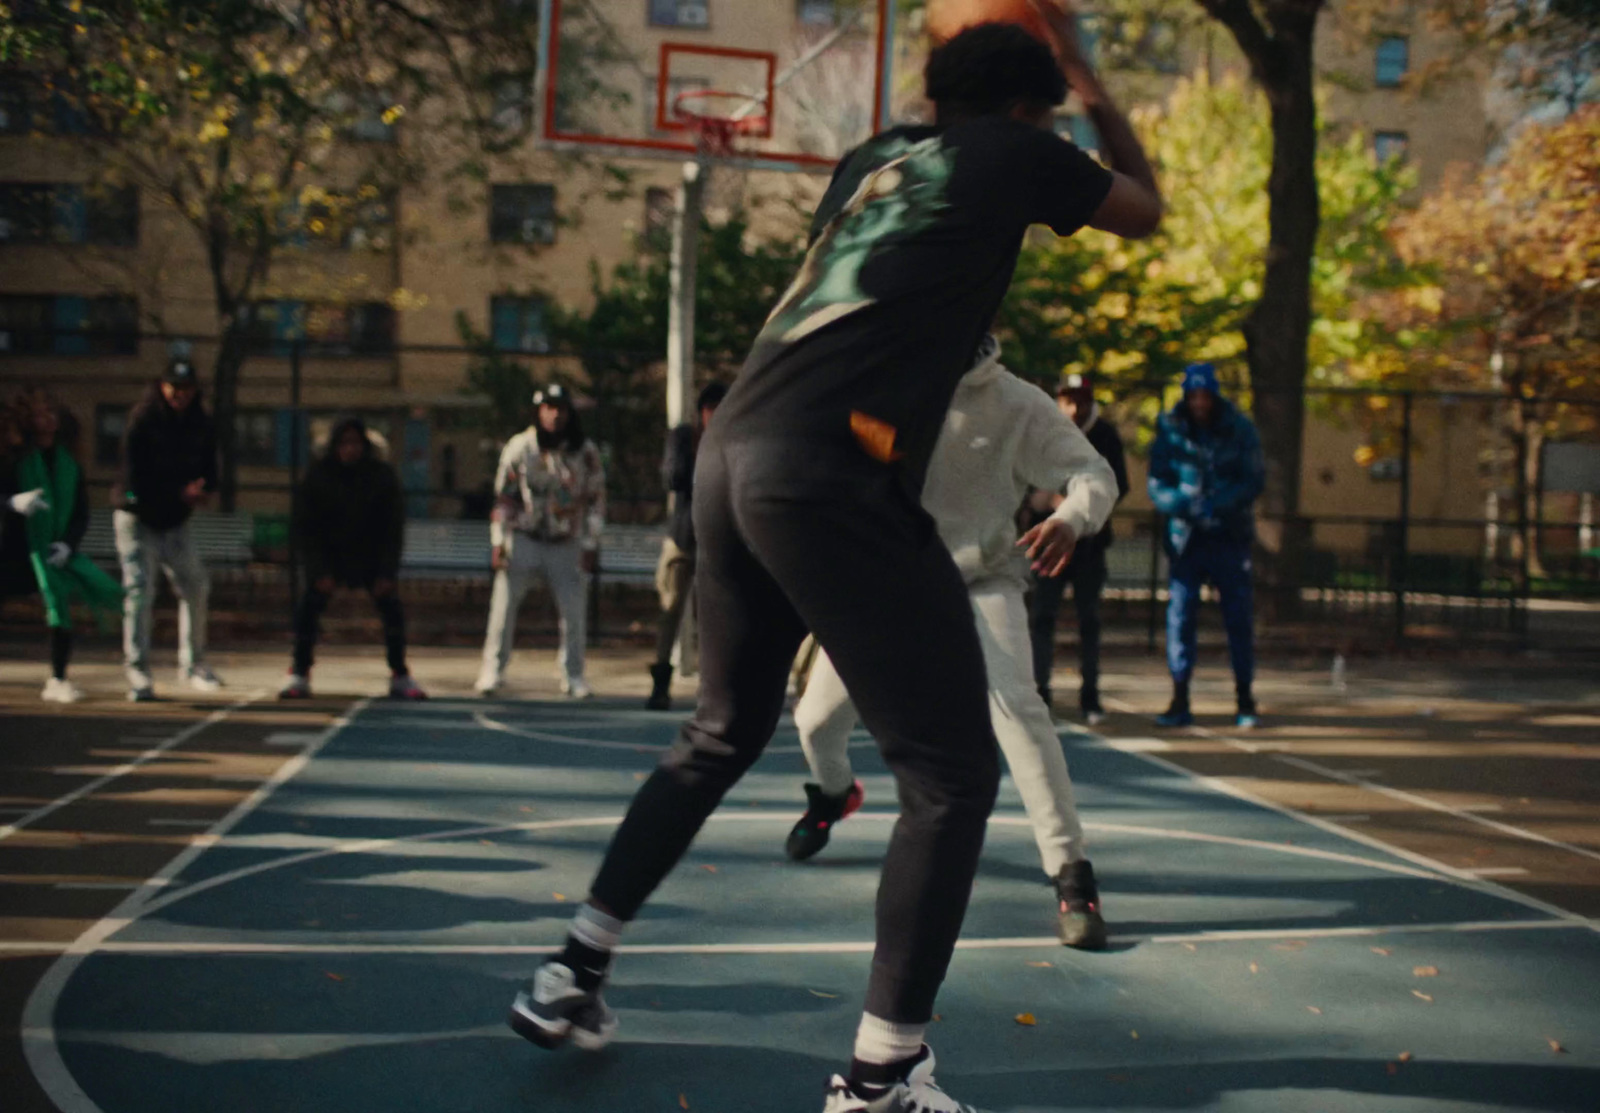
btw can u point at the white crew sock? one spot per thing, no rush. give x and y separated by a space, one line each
882 1041
594 928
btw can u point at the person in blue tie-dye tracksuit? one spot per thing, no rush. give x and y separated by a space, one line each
1206 473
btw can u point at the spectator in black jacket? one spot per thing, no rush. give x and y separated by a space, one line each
675 571
1087 571
350 528
169 468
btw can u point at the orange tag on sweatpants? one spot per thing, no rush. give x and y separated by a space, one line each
876 437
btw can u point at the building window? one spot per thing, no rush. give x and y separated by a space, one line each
256 438
447 468
327 328
1393 61
68 325
1388 145
518 324
110 423
16 113
363 221
1142 44
522 214
65 213
817 13
680 13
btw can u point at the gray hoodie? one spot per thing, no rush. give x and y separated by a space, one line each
1002 436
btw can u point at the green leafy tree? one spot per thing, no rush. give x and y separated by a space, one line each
621 339
265 127
1136 313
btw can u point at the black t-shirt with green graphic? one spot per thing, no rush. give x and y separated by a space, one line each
912 250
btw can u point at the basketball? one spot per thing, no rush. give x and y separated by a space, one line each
948 18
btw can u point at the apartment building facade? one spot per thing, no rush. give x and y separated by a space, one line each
85 271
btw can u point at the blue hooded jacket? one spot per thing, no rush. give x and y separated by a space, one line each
1206 478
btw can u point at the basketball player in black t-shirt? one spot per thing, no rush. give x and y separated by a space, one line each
807 516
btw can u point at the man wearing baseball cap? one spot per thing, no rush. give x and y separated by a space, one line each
1087 572
549 510
169 467
1206 472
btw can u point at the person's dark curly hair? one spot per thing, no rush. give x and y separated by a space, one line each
987 69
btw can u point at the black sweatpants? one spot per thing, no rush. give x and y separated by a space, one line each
308 621
793 538
1087 575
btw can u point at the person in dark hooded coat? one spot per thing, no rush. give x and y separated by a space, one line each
350 529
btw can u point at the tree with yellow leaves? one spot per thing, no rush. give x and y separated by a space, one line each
1514 304
265 129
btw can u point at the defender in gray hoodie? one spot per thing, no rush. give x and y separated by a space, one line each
1001 437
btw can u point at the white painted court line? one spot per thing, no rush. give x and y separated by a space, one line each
1226 788
1434 805
39 1043
865 946
1498 871
110 775
486 722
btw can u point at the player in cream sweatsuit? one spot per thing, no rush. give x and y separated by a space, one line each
1001 437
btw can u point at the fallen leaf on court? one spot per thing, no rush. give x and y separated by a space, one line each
1380 950
485 842
709 869
331 974
1190 947
1314 1009
1555 1045
938 1016
1255 969
524 809
1291 945
639 776
1027 1020
1421 996
1405 1056
819 993
1042 965
1425 971
559 896
683 1101
1391 1068
1134 1033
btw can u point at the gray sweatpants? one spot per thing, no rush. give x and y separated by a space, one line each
825 716
142 550
559 563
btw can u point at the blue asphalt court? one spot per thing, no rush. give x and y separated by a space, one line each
349 937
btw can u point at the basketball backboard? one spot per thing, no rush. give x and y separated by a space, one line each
814 76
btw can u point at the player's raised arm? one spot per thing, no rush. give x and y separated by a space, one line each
1133 207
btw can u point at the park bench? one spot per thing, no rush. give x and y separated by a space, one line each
460 550
222 540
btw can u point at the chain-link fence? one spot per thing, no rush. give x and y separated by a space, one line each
1423 515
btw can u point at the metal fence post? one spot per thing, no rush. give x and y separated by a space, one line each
1403 534
295 352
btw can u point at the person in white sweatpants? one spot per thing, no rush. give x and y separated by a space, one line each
546 522
1001 437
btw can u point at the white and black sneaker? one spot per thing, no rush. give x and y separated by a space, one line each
917 1094
551 1008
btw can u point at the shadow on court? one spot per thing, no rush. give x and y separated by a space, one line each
352 941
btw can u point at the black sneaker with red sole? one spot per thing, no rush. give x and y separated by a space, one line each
823 812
